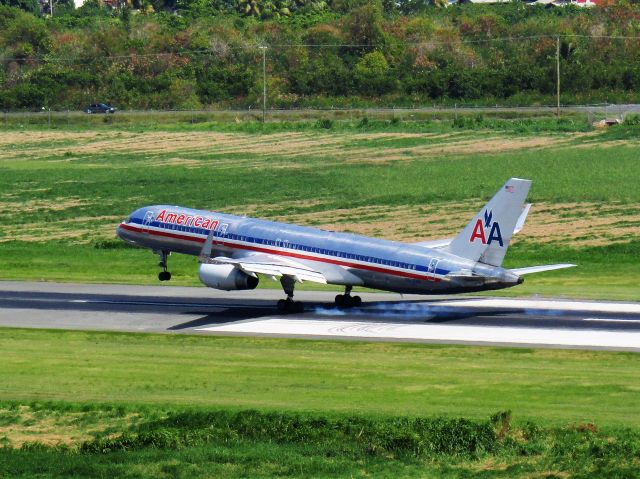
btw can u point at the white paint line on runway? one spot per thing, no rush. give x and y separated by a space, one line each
400 331
160 303
538 304
613 320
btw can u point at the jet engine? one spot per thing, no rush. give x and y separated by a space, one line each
226 277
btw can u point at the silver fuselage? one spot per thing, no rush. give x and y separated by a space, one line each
343 258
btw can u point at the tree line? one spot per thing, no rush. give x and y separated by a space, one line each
190 54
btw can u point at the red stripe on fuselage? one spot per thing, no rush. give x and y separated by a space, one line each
375 269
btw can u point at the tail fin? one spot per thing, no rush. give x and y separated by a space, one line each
487 236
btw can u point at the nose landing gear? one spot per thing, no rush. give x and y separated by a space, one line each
164 275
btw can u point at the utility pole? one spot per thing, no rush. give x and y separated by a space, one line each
558 77
264 82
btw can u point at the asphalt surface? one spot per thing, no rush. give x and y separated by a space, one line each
390 317
608 110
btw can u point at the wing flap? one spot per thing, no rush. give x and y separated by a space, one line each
272 266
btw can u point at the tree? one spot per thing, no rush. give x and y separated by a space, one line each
364 25
372 74
31 6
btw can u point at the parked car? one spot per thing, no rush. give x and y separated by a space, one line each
100 108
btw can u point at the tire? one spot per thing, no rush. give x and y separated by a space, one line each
356 301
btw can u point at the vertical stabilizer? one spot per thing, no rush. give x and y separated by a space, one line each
487 236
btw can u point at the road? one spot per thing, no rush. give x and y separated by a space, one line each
601 110
383 317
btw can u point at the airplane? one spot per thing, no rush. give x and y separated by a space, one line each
234 250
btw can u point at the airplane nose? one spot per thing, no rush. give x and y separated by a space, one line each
121 232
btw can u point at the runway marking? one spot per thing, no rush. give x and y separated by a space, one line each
159 303
474 334
613 320
587 306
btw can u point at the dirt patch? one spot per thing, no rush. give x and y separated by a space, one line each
80 230
55 428
286 146
33 206
21 137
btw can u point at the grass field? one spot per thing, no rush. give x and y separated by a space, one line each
64 190
369 378
185 406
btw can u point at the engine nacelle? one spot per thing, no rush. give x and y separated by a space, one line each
226 277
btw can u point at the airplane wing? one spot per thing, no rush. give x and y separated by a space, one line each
274 266
262 263
539 269
270 265
443 243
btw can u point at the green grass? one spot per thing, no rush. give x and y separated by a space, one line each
176 444
550 386
133 405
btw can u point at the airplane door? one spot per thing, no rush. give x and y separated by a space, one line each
433 265
148 219
222 234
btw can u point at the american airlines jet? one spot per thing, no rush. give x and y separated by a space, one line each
234 250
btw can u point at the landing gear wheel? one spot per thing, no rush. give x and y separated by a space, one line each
282 305
346 301
164 275
288 306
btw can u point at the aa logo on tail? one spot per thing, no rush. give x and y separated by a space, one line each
482 227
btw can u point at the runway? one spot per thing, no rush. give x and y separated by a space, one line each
383 317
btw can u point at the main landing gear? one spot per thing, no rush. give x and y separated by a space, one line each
287 306
346 301
164 275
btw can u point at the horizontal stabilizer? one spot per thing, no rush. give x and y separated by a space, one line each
541 268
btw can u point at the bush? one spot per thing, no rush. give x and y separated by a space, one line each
633 119
325 123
